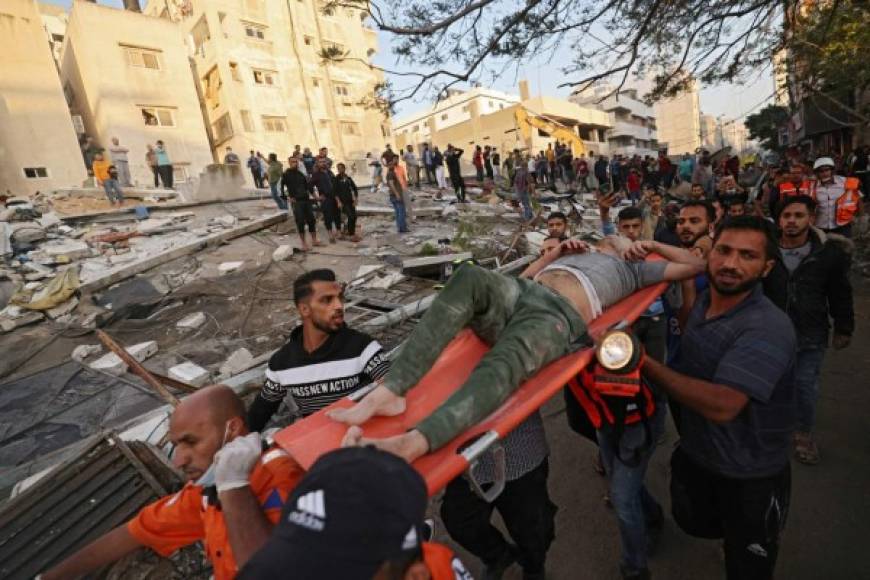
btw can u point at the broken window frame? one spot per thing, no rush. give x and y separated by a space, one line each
159 115
35 172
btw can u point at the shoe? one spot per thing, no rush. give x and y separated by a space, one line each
496 570
805 449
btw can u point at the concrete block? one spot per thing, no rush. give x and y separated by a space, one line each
227 221
189 373
73 249
282 253
228 267
431 265
62 309
83 351
112 363
191 321
48 220
10 324
240 361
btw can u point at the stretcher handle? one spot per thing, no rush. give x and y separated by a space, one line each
489 441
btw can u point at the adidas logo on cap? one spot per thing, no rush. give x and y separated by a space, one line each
310 511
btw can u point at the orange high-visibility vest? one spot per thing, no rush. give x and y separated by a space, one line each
846 205
787 189
440 561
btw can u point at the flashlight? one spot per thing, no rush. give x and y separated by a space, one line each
618 351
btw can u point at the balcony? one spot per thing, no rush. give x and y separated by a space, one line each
624 129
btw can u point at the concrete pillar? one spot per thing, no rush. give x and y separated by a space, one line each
524 90
132 6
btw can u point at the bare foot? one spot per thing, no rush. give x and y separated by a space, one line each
409 446
380 402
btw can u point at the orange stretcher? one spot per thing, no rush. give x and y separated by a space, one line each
308 439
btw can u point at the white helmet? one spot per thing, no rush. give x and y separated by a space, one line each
823 162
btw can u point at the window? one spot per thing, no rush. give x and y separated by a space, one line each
222 128
158 117
385 131
334 47
416 128
464 108
234 71
342 90
444 117
274 124
324 123
254 31
491 105
142 57
350 128
265 77
315 83
308 40
35 172
501 105
247 121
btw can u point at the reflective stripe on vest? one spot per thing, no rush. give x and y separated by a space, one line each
846 205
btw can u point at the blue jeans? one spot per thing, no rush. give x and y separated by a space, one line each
113 190
635 507
523 196
401 224
807 369
279 201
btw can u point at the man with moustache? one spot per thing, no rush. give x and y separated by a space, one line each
810 283
734 380
324 360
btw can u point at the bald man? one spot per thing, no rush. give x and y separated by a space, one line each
233 497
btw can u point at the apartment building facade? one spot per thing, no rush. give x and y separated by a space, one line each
633 124
678 122
265 85
38 146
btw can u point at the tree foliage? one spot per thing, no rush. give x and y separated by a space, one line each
764 126
669 43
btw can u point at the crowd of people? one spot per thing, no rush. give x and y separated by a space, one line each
732 351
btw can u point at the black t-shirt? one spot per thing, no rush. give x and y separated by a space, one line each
346 362
295 184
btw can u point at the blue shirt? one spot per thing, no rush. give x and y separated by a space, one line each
751 348
162 156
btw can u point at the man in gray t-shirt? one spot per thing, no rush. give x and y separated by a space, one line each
527 324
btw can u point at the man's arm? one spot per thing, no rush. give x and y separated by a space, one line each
840 303
266 403
103 551
682 263
605 202
566 247
354 188
715 402
247 525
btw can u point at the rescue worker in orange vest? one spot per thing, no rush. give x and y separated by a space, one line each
234 495
792 183
356 515
839 198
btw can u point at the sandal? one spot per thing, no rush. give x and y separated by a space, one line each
805 449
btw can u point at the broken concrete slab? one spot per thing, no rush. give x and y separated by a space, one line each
191 321
385 282
189 373
240 361
112 363
227 267
227 221
62 309
282 253
48 220
10 324
151 225
73 249
83 351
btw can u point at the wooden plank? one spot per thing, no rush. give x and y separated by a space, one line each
197 245
136 368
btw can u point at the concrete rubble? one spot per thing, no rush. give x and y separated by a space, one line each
283 252
191 321
83 351
241 360
112 363
228 267
190 373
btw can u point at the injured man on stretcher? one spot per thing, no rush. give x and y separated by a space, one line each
528 322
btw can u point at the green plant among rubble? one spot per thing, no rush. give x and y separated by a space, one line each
428 250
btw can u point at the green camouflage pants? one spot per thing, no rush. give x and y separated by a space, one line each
526 324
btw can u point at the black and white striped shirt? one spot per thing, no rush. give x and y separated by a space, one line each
346 362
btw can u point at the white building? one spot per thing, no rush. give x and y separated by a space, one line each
711 137
38 146
679 122
634 130
132 80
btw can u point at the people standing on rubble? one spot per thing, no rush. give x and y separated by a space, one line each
347 195
323 155
810 283
230 157
121 162
451 158
233 497
438 165
324 360
397 195
308 161
106 175
412 166
477 161
487 162
151 162
524 187
254 166
295 187
164 165
323 180
274 170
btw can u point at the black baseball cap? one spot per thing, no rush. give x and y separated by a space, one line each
357 508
